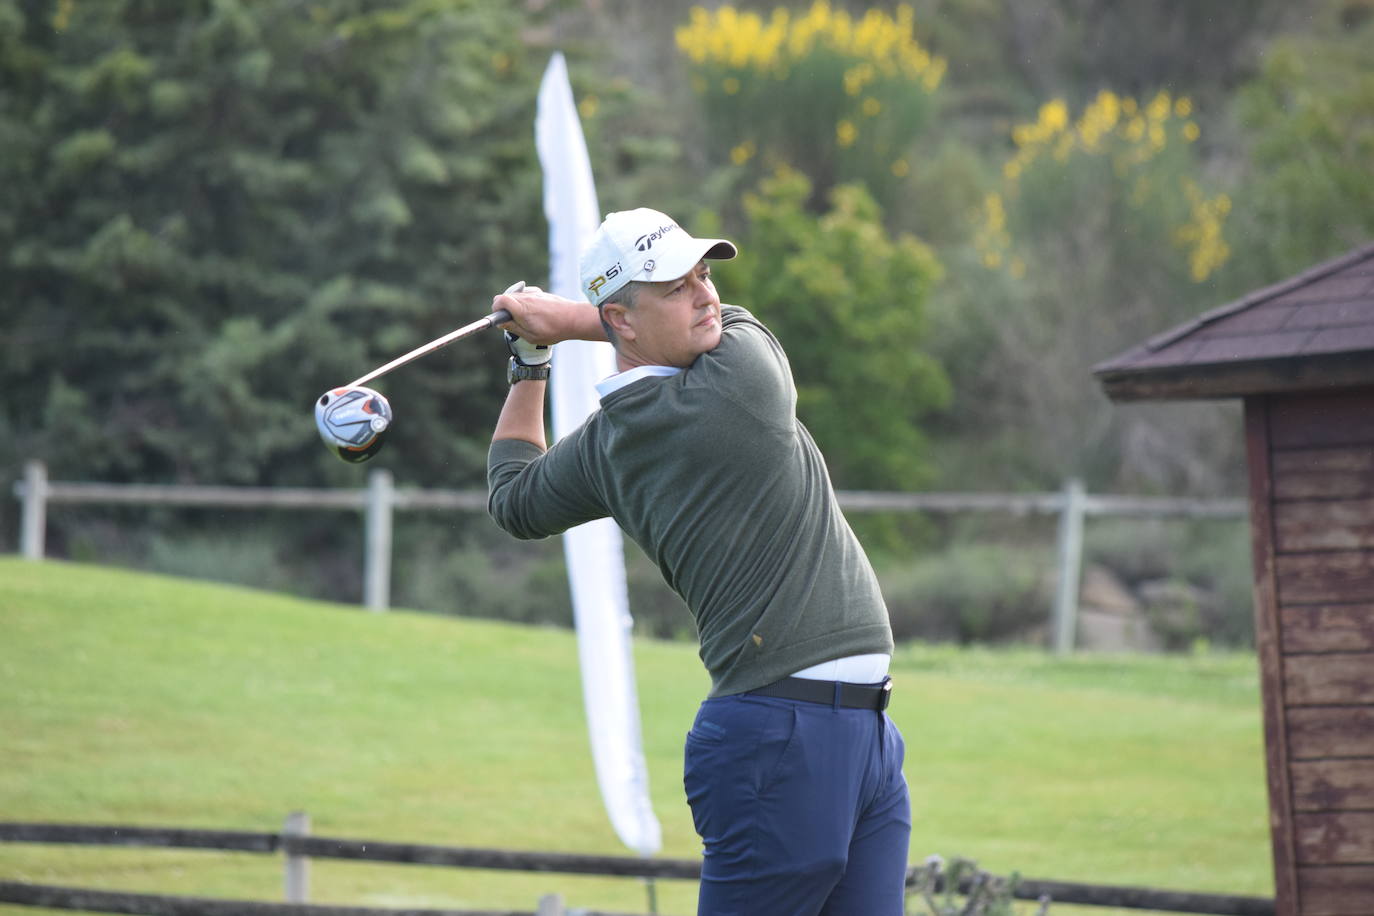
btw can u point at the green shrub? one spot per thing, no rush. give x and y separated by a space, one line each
475 572
1136 550
236 558
523 582
1219 560
969 593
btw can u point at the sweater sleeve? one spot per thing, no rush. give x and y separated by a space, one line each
534 494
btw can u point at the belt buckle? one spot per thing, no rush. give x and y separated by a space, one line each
885 694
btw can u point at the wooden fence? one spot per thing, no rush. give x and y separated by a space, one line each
380 499
297 847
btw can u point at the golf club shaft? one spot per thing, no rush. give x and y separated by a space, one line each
501 316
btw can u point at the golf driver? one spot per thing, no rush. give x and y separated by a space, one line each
353 420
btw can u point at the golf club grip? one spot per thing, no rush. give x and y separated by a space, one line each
498 317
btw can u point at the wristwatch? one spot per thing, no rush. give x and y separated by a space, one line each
517 371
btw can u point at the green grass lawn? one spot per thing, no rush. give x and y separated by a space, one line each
127 698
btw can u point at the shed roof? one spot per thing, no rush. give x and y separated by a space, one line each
1313 330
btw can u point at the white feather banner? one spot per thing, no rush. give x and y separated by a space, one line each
595 551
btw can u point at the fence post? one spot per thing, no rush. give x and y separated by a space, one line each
550 905
35 513
377 568
297 866
1070 567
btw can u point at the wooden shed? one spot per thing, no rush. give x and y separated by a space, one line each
1301 356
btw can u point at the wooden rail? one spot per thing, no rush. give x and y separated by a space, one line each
381 498
98 901
1061 892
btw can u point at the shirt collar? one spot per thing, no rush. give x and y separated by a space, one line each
621 379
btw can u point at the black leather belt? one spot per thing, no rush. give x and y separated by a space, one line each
851 696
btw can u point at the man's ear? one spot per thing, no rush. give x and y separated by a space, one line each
616 315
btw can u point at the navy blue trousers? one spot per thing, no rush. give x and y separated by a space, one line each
802 808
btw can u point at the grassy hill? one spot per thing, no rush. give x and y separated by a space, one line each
136 699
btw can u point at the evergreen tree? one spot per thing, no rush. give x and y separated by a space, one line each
213 210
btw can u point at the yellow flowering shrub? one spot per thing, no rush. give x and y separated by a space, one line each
1119 153
879 44
1201 235
1109 125
837 96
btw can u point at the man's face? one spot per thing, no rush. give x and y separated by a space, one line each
673 322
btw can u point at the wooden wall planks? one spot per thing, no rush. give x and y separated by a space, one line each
1341 731
1336 891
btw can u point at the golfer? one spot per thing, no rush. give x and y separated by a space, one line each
793 771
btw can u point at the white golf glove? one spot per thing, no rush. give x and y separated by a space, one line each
526 353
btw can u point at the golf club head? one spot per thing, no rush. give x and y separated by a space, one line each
353 422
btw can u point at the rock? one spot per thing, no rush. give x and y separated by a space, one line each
1102 632
1103 592
1110 618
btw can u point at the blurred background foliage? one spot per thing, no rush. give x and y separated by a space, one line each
949 210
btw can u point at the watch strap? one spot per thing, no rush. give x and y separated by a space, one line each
517 371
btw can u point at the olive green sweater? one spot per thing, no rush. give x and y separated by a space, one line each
713 475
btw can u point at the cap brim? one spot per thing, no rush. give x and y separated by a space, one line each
681 261
720 250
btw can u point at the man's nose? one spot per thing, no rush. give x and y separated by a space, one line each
701 293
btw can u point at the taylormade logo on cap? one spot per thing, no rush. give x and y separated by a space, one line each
643 245
645 242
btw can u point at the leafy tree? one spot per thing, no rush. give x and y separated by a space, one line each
213 210
847 301
1308 122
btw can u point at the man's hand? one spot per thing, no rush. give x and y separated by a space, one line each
543 319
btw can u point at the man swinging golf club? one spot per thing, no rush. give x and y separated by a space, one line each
793 771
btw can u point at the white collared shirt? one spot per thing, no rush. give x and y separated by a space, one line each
615 382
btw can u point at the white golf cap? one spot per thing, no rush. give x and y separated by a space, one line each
643 245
